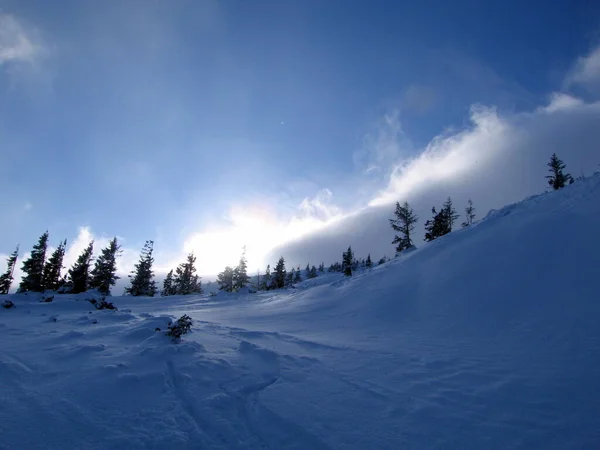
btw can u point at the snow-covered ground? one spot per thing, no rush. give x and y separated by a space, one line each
488 338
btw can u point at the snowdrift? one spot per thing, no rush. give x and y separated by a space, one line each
485 338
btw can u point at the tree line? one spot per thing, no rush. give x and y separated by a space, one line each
41 273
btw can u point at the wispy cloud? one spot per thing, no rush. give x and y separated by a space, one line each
586 71
19 43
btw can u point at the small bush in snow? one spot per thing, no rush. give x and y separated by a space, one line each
102 304
47 298
180 327
8 304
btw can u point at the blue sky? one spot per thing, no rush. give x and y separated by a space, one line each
200 123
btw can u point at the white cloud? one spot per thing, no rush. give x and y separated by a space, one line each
18 42
586 71
561 101
383 145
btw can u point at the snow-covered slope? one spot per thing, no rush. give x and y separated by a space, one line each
487 338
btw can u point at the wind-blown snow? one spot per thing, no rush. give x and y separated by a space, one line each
487 338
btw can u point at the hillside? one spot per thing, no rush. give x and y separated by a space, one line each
486 338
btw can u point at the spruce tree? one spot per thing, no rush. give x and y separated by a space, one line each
7 277
558 179
168 285
279 274
79 274
104 274
322 267
241 278
450 214
383 260
142 277
266 283
289 277
347 262
369 262
52 269
307 270
33 268
226 280
469 213
298 276
186 281
313 272
404 223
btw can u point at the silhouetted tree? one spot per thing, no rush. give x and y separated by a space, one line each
186 281
279 274
267 281
558 179
347 262
240 274
226 280
142 276
104 275
53 267
33 267
78 279
7 277
168 285
404 223
369 262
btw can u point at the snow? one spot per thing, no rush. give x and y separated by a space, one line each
486 338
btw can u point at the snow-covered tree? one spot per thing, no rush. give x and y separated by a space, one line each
142 276
240 274
469 213
312 273
51 278
383 260
298 275
279 274
226 280
168 285
104 274
322 267
404 224
186 281
33 267
347 262
368 262
7 277
558 179
78 279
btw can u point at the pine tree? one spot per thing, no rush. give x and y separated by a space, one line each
142 276
307 270
441 222
104 274
404 223
51 278
313 272
279 274
168 286
450 214
289 278
469 213
79 277
558 179
186 281
7 277
347 262
33 268
226 280
241 278
322 267
369 262
383 260
298 276
265 284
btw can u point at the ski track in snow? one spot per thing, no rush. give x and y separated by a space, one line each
486 338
